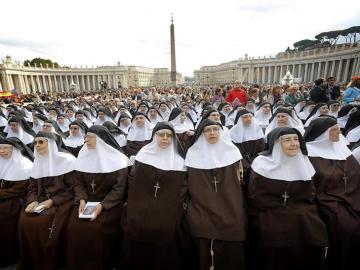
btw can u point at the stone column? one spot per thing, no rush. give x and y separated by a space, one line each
300 71
346 72
88 82
338 76
61 84
40 88
241 74
319 71
33 83
326 69
83 82
355 70
268 74
274 81
44 83
67 85
56 88
312 67
26 81
305 73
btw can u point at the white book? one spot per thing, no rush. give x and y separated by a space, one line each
88 210
39 208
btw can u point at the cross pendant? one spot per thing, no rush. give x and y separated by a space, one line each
345 180
51 229
93 185
156 189
215 183
285 197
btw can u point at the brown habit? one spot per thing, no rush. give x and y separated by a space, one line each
153 227
11 201
42 235
249 151
133 147
184 140
285 227
216 212
95 244
337 185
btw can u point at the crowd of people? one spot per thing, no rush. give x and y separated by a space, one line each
227 177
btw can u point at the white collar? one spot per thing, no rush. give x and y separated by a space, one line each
3 121
353 135
75 141
279 166
21 135
203 155
164 159
103 159
241 133
54 163
16 168
181 127
143 133
292 123
323 147
262 118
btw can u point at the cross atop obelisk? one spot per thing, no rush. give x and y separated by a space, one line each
173 58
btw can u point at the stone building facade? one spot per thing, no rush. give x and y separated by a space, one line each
341 61
27 79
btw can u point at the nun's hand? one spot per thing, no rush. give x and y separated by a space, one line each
82 206
47 204
97 211
190 133
31 207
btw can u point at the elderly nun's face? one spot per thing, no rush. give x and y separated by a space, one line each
290 144
153 114
324 110
14 127
69 114
247 119
90 140
41 146
227 108
266 109
142 108
334 133
335 107
125 122
163 108
214 116
47 127
182 117
101 116
212 134
6 151
139 120
282 119
61 120
74 130
164 138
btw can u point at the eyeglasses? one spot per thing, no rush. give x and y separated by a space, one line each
74 128
39 142
164 134
211 129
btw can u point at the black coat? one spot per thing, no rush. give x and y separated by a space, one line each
318 94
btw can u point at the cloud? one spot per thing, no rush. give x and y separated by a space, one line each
36 47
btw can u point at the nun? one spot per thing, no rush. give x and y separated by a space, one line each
286 231
154 116
306 110
17 127
38 122
139 134
248 136
321 109
216 214
101 176
183 126
337 182
75 140
334 108
356 152
48 204
3 121
63 124
103 114
263 115
352 129
283 118
82 116
118 134
344 114
124 123
15 168
164 110
153 224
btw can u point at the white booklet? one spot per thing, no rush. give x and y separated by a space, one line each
39 208
88 210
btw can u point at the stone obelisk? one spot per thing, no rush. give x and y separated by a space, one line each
173 58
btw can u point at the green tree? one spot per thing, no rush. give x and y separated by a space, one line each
305 43
40 61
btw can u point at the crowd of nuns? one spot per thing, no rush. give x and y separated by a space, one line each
179 185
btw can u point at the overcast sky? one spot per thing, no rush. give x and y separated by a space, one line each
137 32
